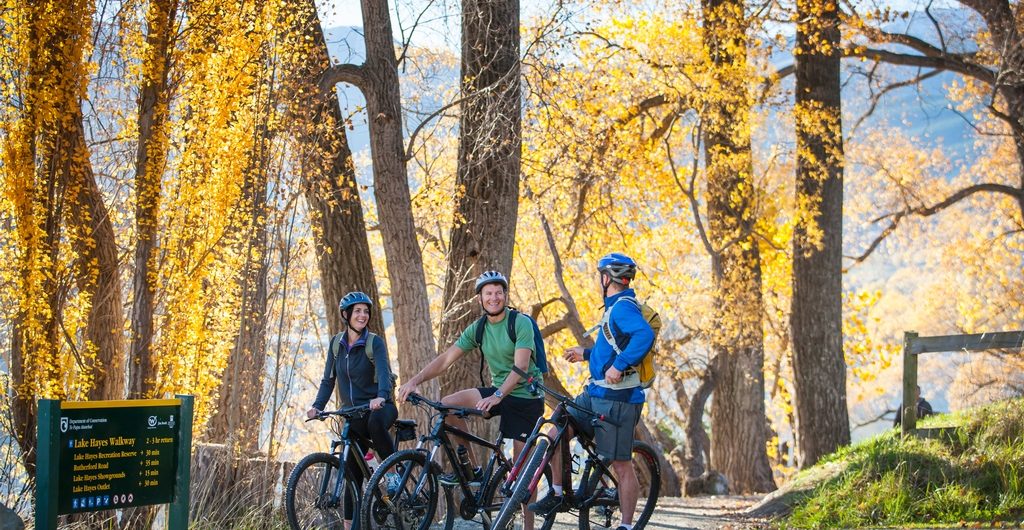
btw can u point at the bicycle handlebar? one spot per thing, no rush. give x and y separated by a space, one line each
565 400
461 412
357 411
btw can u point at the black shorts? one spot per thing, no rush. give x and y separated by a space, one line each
518 415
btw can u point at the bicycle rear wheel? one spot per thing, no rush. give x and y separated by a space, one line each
603 511
414 504
309 497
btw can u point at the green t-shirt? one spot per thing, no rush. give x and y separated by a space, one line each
499 352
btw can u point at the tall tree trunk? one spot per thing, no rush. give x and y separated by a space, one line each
697 440
236 421
823 422
1003 21
391 189
35 337
329 183
738 444
37 154
150 160
1015 100
237 418
98 273
484 230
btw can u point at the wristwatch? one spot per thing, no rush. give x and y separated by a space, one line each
498 394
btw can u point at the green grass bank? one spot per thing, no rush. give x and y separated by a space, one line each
974 475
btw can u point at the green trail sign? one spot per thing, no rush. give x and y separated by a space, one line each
108 455
117 454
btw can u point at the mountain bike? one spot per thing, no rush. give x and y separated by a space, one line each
411 505
319 486
595 499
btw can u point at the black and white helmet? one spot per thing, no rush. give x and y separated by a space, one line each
488 277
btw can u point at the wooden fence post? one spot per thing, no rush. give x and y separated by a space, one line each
909 406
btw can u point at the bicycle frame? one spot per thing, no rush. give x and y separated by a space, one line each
562 420
440 439
346 443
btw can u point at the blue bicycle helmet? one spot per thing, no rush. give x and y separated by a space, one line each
488 277
353 298
620 267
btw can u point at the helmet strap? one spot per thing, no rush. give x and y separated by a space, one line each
624 282
346 317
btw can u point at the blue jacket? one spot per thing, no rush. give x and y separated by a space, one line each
633 334
353 372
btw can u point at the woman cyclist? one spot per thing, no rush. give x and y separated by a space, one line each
357 366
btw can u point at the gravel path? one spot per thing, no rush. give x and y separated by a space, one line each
677 513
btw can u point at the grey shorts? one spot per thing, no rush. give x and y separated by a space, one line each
613 443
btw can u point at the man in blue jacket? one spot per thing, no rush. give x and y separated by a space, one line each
614 391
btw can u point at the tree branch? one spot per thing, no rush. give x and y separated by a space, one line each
573 315
927 211
780 74
438 112
884 415
876 98
874 244
785 71
910 41
535 309
950 62
554 327
352 74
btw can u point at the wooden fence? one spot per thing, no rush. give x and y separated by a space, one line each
914 345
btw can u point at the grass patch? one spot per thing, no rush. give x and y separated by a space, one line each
978 476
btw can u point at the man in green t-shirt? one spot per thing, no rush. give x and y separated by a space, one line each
509 397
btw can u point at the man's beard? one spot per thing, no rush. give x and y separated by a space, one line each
496 313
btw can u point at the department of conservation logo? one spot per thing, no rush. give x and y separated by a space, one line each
64 424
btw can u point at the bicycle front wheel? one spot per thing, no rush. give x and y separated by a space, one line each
309 497
404 493
603 511
521 489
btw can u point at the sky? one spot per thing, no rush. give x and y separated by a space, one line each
438 19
